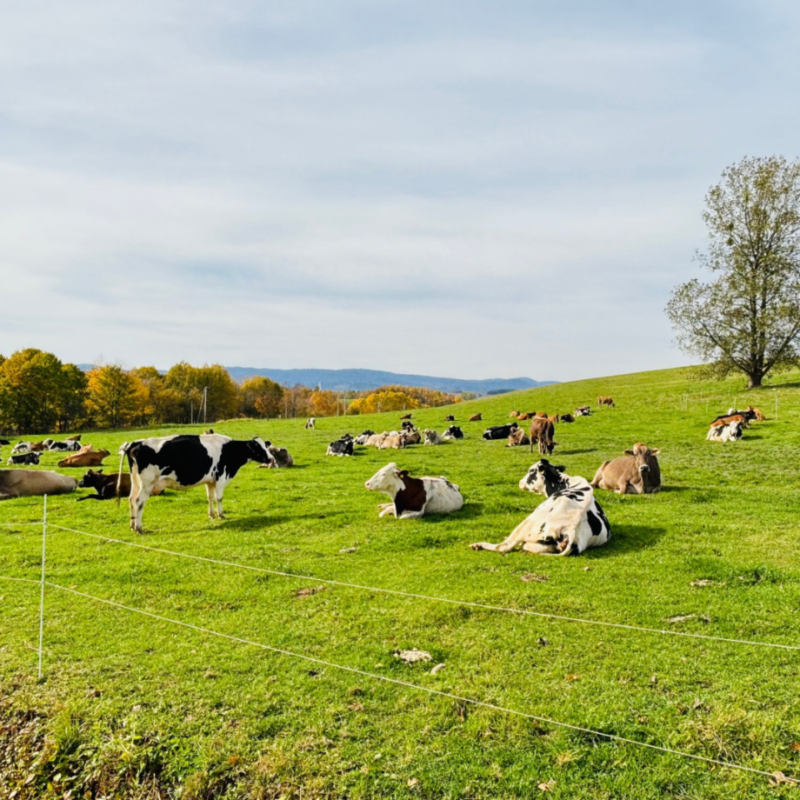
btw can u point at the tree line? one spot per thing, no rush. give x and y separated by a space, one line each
39 394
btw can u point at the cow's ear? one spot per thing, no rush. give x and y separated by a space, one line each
403 473
99 472
561 468
629 452
655 452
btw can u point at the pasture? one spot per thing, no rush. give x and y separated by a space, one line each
137 707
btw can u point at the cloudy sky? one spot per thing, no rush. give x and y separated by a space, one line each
471 189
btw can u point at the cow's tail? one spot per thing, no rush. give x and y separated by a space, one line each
123 451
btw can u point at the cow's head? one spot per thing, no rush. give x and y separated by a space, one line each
258 450
735 429
642 457
89 480
543 478
388 480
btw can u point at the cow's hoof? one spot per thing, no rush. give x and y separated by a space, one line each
476 546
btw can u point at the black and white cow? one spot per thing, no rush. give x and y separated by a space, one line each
187 460
311 422
414 497
499 431
362 438
341 447
22 447
24 458
568 522
64 447
453 432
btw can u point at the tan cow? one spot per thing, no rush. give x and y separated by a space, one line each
87 456
514 414
637 472
518 438
604 400
75 438
33 483
543 431
393 442
475 418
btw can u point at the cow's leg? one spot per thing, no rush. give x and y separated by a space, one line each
412 514
516 538
142 490
211 493
387 509
598 476
132 497
220 490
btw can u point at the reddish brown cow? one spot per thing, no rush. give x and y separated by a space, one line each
542 431
475 418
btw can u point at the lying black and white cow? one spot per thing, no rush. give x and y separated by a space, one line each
499 431
21 447
568 522
342 447
732 432
414 497
432 437
64 447
453 432
583 411
187 460
362 438
23 458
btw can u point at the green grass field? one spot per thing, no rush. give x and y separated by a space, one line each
134 707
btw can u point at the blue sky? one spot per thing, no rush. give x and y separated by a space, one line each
457 188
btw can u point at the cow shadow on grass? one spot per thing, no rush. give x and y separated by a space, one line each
628 539
574 452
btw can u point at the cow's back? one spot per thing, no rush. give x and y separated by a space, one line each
34 483
186 460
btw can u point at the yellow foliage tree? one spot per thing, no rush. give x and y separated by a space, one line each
383 401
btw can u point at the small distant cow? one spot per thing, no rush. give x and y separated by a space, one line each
499 432
583 411
637 472
414 497
604 400
568 522
413 436
406 416
394 441
23 458
728 432
75 438
4 442
526 415
514 414
565 418
311 422
518 438
341 447
432 437
450 418
362 438
475 418
406 425
64 447
33 483
542 431
87 456
186 460
453 432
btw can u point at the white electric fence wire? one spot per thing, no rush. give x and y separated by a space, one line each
17 524
415 596
20 580
417 687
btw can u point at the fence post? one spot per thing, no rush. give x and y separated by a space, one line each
41 597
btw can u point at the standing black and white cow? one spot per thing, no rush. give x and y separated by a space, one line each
311 422
568 522
186 460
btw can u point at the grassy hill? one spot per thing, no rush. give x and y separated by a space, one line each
130 704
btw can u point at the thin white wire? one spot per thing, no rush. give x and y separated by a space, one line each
21 580
15 524
407 684
413 595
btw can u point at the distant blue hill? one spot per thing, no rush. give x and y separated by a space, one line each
359 380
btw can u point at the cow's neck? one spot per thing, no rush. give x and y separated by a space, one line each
553 485
234 456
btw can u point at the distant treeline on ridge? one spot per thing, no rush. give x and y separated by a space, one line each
39 394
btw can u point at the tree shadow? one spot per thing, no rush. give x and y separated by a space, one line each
627 539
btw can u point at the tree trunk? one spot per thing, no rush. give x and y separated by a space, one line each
754 380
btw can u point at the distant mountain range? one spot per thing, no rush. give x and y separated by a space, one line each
359 380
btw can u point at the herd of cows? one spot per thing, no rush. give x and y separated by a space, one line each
568 521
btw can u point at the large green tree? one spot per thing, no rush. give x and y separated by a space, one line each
747 318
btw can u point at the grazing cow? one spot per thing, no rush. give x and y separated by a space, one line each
514 414
362 438
394 441
341 447
604 400
23 458
565 418
33 483
730 432
186 461
637 472
543 431
311 422
280 456
499 432
64 447
75 438
453 432
518 438
109 487
432 437
450 418
568 522
414 497
86 457
475 418
583 411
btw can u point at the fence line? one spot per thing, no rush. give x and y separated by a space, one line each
20 580
417 687
416 596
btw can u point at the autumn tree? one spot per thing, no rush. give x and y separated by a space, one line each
261 397
222 392
113 396
383 401
747 318
323 403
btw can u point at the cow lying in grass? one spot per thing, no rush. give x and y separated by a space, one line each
637 472
518 438
432 437
107 486
730 432
568 522
33 483
453 432
86 457
414 497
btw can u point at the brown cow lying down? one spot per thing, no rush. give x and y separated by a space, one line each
75 438
33 483
518 438
87 456
282 458
637 472
414 497
475 418
106 485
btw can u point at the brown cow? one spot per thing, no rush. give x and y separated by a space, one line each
604 400
106 485
475 418
450 418
720 422
553 419
759 414
526 415
637 472
542 431
514 414
75 438
518 438
406 416
87 456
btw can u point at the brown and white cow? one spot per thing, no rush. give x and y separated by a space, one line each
414 497
637 472
543 431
